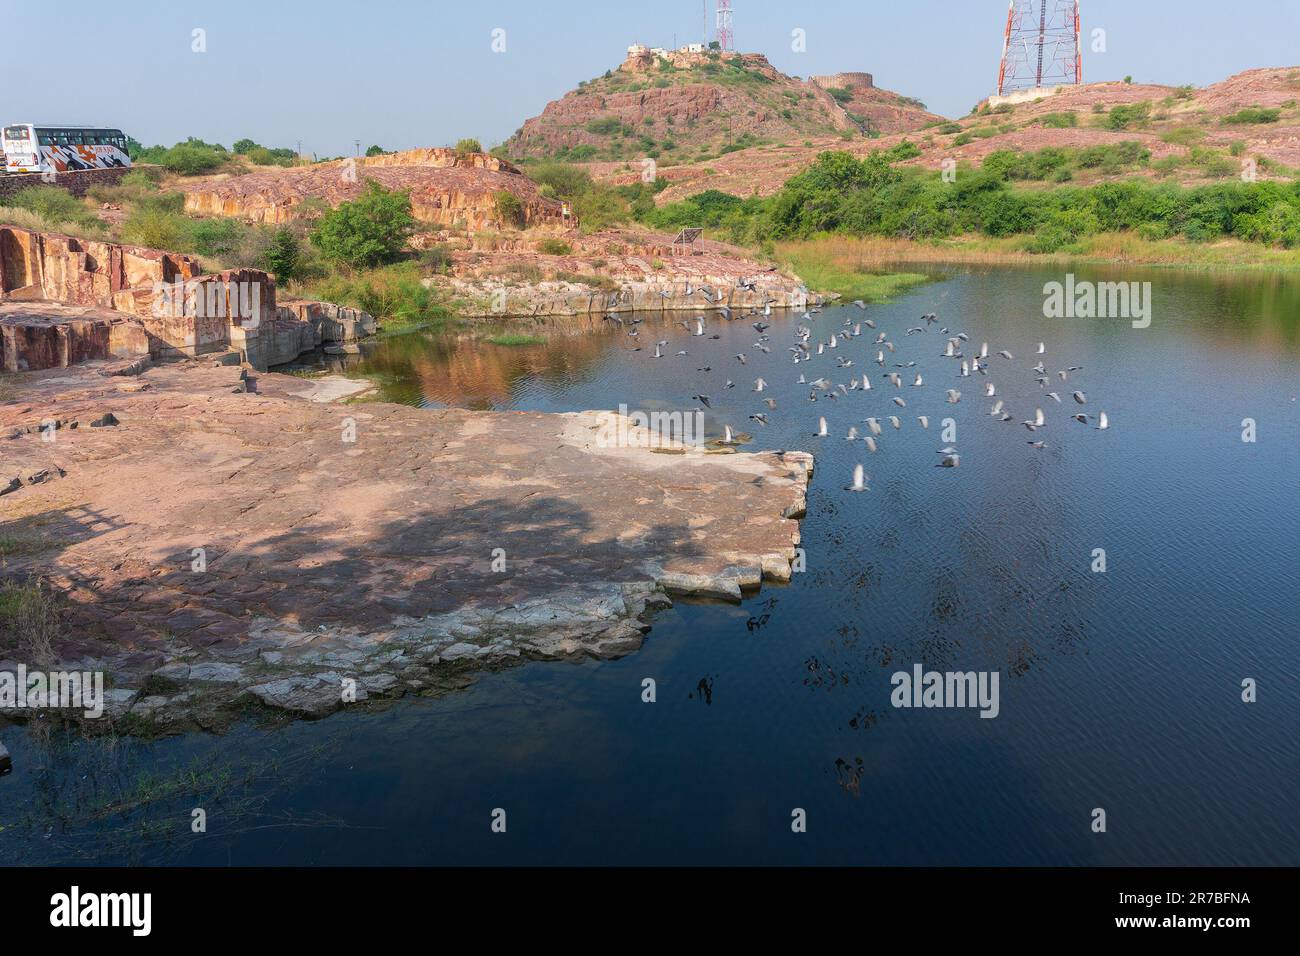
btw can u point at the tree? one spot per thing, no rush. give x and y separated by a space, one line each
375 151
469 145
368 231
283 257
191 159
242 146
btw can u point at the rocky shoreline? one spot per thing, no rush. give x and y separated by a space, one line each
226 539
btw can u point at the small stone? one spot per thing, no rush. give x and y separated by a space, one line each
457 651
217 673
117 701
701 585
306 696
146 706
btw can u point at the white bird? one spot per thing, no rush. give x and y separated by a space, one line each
990 390
871 444
866 382
997 408
759 384
821 428
1081 398
1006 355
853 434
893 420
950 461
900 403
859 480
874 425
1103 422
1042 348
984 351
699 325
918 383
954 396
925 422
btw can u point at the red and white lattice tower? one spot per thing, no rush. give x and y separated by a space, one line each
1041 46
725 39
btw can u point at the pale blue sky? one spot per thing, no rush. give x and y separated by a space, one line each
403 73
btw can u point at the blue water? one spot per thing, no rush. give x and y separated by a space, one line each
1119 691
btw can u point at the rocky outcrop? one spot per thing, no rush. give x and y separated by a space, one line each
350 553
178 312
43 265
41 335
622 271
447 189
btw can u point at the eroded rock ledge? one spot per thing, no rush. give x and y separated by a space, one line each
326 560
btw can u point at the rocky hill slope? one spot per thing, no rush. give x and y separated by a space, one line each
1246 124
681 106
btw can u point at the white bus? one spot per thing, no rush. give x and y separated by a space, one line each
29 148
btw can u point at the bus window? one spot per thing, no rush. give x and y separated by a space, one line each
16 133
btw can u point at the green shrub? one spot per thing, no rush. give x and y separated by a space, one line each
1065 120
1128 115
1252 115
284 256
469 145
155 228
214 237
554 247
367 232
393 294
1184 136
509 209
192 160
50 203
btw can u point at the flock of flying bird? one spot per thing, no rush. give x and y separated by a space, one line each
804 351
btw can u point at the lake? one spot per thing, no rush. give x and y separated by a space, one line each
1120 691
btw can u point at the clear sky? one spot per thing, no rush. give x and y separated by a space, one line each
403 73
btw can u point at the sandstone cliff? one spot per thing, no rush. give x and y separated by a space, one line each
447 189
65 300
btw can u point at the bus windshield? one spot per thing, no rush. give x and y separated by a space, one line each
15 132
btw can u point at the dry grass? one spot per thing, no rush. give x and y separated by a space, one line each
848 253
29 620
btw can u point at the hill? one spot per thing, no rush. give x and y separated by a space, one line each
683 107
1182 134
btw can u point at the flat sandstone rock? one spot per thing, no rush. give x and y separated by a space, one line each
257 536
